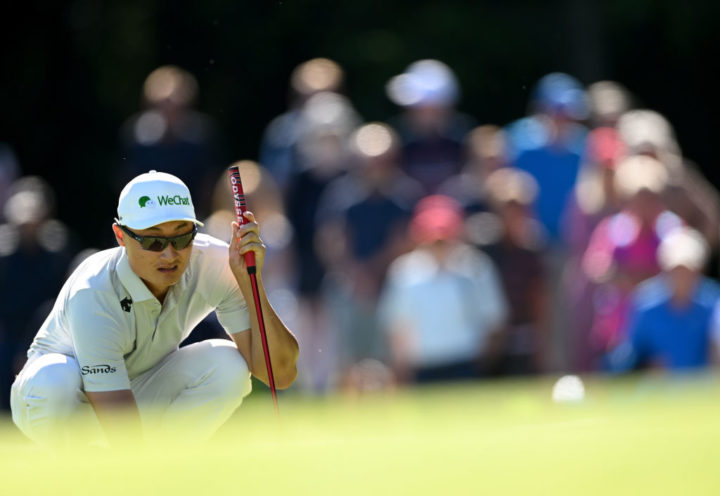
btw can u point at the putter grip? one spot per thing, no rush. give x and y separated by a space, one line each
240 208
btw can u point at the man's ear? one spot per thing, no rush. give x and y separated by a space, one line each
118 235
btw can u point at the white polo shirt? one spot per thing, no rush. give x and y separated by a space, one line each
112 324
449 311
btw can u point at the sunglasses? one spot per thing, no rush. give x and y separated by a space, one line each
159 243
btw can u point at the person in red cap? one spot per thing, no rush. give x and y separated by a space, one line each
442 301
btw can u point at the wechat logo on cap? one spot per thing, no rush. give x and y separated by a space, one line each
146 201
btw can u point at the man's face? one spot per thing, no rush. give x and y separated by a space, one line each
158 269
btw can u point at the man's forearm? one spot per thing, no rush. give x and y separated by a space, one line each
118 414
283 346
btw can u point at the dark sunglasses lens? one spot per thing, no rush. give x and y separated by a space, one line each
182 242
154 244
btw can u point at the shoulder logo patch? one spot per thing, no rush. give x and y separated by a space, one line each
126 304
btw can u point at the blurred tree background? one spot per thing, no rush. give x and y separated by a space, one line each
72 71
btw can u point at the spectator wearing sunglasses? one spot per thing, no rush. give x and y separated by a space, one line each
111 343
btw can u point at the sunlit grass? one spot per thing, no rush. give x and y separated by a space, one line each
628 437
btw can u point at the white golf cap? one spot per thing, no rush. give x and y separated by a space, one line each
683 246
153 198
424 82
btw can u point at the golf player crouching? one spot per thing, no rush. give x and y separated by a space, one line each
111 341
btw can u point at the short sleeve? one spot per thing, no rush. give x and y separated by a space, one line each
230 305
100 339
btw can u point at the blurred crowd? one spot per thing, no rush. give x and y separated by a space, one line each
430 247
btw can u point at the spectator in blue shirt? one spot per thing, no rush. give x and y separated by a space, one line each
549 144
671 317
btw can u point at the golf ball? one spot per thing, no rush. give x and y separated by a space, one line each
568 389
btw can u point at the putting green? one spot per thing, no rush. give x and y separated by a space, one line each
630 436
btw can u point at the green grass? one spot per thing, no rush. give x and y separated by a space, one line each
635 436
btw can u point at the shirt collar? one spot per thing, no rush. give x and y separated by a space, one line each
132 283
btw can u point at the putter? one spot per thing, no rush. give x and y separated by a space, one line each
240 209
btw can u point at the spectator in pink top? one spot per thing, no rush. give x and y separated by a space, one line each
622 248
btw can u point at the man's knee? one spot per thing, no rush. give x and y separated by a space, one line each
53 382
44 395
233 369
229 367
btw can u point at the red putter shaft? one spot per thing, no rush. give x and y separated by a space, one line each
240 209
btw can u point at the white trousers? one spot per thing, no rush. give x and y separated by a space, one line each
197 387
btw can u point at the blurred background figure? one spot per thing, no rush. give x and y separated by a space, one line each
549 144
362 227
169 135
432 131
327 121
442 301
622 248
688 194
637 132
485 152
594 198
9 172
671 321
608 101
517 249
278 147
35 252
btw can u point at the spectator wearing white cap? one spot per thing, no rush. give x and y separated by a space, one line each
432 131
671 315
622 251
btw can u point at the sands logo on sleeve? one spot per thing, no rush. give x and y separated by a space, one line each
97 369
